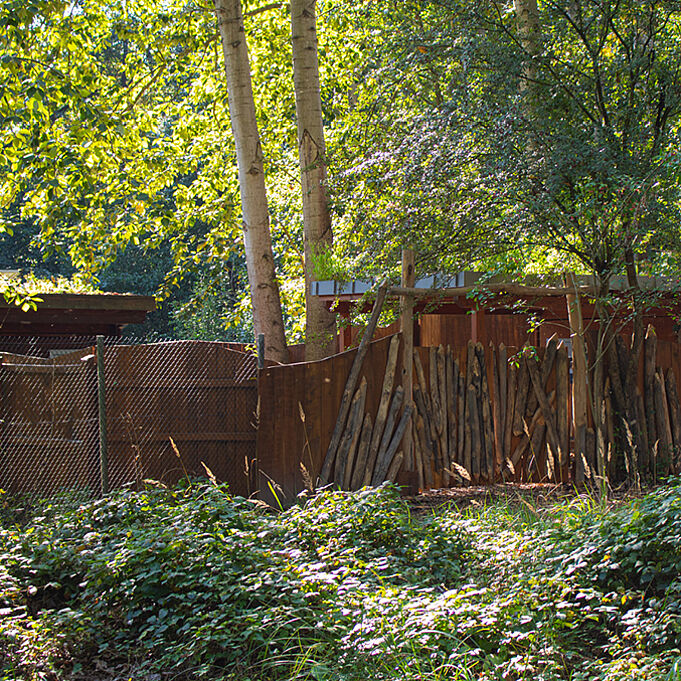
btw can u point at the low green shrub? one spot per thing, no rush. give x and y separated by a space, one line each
193 583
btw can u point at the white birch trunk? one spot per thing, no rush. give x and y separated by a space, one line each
267 316
320 324
529 31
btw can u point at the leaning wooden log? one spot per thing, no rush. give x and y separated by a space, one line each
362 454
674 415
393 413
496 411
528 430
510 406
394 469
422 401
428 415
425 450
348 445
460 420
476 415
622 355
643 425
418 453
619 362
562 392
650 357
663 426
470 355
536 442
425 437
470 399
487 464
385 456
521 447
475 431
549 417
522 391
436 407
350 385
382 411
667 419
452 374
546 366
421 377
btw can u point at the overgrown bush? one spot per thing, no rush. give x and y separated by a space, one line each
193 583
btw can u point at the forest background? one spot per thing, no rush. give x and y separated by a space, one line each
507 137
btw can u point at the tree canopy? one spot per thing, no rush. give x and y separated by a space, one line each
444 132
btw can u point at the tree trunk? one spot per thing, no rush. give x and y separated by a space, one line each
267 316
529 32
320 324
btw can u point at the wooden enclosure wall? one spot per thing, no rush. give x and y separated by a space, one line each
202 395
288 436
511 418
284 439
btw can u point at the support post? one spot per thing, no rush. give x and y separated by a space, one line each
261 351
407 328
101 398
579 381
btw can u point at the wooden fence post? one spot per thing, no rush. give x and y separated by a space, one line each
580 395
101 397
407 327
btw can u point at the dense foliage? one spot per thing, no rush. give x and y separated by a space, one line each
116 141
192 583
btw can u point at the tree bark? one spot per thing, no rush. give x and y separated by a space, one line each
320 323
529 33
265 300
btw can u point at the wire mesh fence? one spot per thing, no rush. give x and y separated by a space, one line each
168 410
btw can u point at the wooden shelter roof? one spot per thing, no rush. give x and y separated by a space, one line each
83 314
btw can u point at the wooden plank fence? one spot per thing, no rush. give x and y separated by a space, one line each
481 415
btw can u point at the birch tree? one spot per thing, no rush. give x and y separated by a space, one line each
264 289
320 324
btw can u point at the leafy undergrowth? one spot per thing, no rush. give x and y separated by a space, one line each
192 583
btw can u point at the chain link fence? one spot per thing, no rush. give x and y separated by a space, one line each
156 412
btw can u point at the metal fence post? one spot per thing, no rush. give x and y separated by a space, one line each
261 351
101 395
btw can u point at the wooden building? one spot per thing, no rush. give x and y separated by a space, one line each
521 314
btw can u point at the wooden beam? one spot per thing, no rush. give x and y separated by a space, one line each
514 289
90 301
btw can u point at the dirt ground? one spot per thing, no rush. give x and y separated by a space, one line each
538 495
